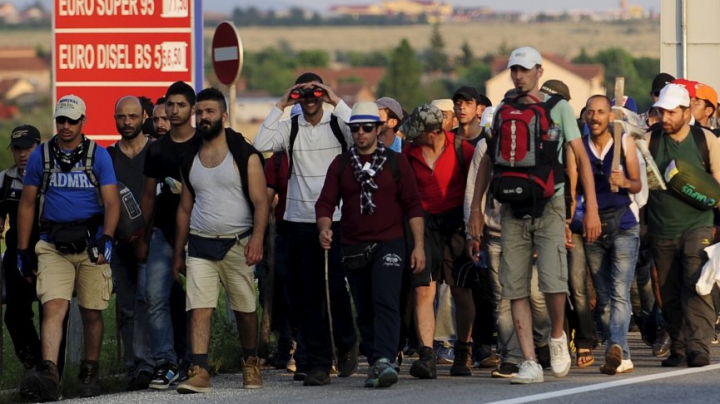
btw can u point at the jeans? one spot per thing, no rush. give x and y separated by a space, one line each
690 318
307 277
581 317
156 283
507 342
376 290
132 312
613 271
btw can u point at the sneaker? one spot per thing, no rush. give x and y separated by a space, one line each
460 363
506 370
530 372
198 381
164 376
613 360
715 340
698 359
483 357
661 347
381 374
291 365
674 360
424 367
347 362
89 379
252 378
559 356
141 381
42 384
183 367
625 367
316 377
445 353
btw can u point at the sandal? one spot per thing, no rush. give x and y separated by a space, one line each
585 358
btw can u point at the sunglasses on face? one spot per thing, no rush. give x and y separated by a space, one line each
366 127
61 120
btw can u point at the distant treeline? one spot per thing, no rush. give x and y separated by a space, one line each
297 17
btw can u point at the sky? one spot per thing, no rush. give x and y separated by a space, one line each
324 5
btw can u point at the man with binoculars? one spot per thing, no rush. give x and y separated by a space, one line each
312 140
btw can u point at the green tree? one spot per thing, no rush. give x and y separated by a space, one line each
270 70
402 77
474 75
435 58
312 58
467 56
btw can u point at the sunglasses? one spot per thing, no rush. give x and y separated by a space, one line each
366 127
62 120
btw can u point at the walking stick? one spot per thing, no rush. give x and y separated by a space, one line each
617 129
329 312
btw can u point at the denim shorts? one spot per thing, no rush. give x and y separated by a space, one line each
522 238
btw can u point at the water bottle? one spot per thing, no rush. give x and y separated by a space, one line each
554 133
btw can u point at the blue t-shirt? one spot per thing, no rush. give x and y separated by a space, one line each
396 145
71 196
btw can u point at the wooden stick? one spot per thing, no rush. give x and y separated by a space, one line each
617 130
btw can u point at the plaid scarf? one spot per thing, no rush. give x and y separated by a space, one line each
365 175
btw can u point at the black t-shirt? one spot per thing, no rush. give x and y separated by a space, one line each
10 193
129 171
162 162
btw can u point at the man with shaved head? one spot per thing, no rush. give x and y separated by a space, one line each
128 156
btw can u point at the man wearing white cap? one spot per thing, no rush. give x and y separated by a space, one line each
537 227
679 232
72 182
377 187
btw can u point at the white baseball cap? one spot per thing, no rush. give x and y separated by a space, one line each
445 104
673 96
70 106
526 57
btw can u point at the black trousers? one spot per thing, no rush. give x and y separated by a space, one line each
376 291
689 317
307 277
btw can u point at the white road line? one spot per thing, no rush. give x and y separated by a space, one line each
602 386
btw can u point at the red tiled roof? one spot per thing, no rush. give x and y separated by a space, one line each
6 85
587 71
370 76
15 64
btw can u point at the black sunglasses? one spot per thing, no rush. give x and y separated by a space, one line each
61 120
366 127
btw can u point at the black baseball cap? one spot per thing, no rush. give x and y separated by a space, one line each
466 92
660 81
25 136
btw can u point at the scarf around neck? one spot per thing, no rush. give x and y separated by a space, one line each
365 176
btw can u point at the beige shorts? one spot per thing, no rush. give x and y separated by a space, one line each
204 277
521 238
59 275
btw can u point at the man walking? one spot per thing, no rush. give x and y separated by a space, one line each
78 212
222 218
376 187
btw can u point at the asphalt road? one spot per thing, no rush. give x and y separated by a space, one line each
649 383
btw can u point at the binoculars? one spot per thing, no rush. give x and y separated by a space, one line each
313 92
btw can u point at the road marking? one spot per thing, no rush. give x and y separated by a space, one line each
607 385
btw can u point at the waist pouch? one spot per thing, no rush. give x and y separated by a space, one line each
70 239
610 221
357 256
212 248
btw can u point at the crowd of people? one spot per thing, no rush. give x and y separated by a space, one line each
409 215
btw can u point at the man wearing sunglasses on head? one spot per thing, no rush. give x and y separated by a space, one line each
312 140
71 181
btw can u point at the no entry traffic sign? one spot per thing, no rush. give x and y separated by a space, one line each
227 53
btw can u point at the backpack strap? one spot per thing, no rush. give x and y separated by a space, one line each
294 129
458 143
277 159
88 162
654 143
6 186
701 142
48 162
335 127
552 102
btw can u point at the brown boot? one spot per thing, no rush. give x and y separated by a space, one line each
252 378
198 381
